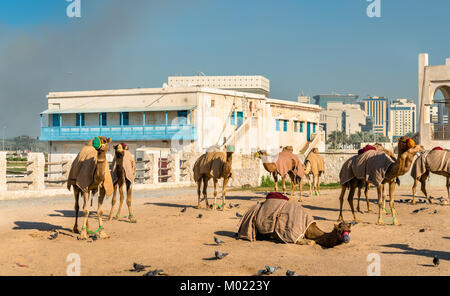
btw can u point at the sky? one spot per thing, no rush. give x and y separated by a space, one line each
314 47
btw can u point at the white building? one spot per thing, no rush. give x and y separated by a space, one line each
403 118
175 118
347 118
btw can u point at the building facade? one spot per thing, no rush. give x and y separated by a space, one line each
323 100
402 118
176 119
377 108
348 118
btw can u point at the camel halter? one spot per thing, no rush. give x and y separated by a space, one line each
388 212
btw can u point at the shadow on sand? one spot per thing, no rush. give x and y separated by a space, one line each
41 226
407 250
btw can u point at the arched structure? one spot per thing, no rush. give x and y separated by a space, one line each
431 80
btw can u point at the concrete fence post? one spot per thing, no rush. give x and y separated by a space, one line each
3 160
36 169
174 167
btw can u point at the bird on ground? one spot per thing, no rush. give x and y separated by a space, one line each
53 236
218 240
268 270
220 255
230 205
200 215
154 272
239 215
183 210
139 267
436 260
290 273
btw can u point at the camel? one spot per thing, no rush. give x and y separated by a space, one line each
314 165
216 165
436 161
278 218
365 184
89 173
380 170
123 173
295 172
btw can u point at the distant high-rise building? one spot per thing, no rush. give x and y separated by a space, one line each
323 100
403 118
377 108
347 118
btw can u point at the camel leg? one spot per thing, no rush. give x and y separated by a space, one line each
101 197
113 203
76 193
215 193
301 189
353 185
129 200
380 205
359 198
448 191
224 191
199 185
414 191
315 182
391 203
205 190
84 234
293 184
341 202
275 179
284 184
310 186
318 185
423 187
366 194
122 197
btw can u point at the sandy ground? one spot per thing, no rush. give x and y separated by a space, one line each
182 244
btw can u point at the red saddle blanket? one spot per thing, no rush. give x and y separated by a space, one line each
276 195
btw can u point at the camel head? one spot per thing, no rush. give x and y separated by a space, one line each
260 153
288 148
120 149
342 231
101 144
405 143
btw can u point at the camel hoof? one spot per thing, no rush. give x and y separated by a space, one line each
75 230
83 235
380 222
340 219
413 202
369 211
133 220
103 235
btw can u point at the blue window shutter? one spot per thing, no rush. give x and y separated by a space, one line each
301 127
55 121
232 118
125 118
285 124
277 125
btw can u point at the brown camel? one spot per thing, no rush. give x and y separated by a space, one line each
287 159
314 165
436 161
123 173
278 218
215 165
89 173
379 169
366 185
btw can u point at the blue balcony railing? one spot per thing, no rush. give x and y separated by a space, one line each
117 133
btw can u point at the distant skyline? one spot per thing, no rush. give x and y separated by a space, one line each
314 47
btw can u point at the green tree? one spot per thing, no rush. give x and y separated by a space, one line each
336 138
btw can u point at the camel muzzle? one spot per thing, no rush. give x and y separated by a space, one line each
345 237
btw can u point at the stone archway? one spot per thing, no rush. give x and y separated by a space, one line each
431 80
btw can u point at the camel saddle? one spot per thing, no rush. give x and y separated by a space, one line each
83 170
436 160
284 163
210 164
